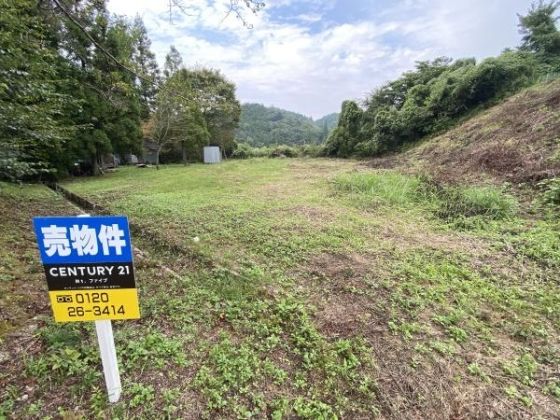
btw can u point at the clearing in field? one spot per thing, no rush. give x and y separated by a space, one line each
301 287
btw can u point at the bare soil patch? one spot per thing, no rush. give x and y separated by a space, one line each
352 301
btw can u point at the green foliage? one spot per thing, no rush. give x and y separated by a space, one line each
523 368
312 409
112 99
194 108
146 65
154 349
32 130
476 370
245 151
433 97
63 99
68 355
327 124
550 197
540 34
215 97
141 395
233 367
266 126
347 134
512 392
540 243
459 205
173 62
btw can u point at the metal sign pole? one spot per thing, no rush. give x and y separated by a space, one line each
108 352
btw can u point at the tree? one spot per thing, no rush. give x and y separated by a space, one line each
263 126
538 28
215 97
75 83
346 135
97 53
146 64
428 100
32 131
177 119
173 62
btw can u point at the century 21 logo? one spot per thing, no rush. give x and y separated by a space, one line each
64 299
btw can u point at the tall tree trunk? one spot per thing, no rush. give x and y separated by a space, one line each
95 165
157 158
184 151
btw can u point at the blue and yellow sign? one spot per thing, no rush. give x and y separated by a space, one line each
89 267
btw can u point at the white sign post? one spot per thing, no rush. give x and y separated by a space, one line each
108 352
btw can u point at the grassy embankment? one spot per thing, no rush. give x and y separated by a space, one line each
315 288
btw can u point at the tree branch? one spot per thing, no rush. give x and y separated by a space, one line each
98 45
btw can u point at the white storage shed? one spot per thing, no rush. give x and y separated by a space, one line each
212 154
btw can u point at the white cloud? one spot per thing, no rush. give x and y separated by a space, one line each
293 65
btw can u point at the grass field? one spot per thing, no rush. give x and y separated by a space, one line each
302 288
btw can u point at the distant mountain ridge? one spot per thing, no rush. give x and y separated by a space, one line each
260 125
330 120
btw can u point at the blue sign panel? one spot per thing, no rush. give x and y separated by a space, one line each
75 240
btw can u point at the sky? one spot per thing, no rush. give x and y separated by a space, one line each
308 56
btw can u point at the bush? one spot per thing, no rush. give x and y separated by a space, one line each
242 151
312 150
283 151
427 100
245 151
551 193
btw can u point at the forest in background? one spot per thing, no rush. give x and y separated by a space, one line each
97 86
260 126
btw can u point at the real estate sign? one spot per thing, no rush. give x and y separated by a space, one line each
89 267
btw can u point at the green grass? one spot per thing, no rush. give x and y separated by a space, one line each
316 289
465 202
451 203
379 187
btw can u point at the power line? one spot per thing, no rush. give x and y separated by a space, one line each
253 5
98 45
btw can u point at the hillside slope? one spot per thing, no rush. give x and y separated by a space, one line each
328 121
516 141
260 125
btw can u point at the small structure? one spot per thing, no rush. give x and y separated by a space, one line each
109 161
212 154
150 151
131 159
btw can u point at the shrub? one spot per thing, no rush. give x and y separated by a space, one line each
551 193
245 151
283 151
242 151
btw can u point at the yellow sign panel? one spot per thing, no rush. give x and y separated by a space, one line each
94 305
